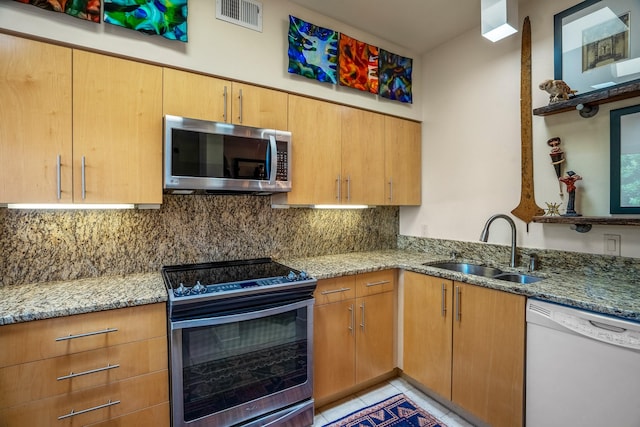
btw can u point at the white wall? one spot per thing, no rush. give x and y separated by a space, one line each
216 47
471 144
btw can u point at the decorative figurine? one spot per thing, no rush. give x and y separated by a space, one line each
570 181
557 158
557 90
553 209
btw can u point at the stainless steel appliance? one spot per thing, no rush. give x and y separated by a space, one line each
582 368
210 157
241 344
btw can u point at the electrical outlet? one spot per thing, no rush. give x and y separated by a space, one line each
612 244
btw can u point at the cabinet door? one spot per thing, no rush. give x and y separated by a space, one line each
259 107
117 129
35 106
334 348
403 160
196 96
427 331
362 157
374 339
488 354
315 128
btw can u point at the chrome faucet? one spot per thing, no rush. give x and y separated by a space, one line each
484 236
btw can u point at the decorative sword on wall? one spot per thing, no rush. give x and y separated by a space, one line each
527 208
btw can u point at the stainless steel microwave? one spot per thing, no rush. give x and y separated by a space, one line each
211 157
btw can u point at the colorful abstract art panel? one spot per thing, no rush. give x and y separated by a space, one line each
167 18
358 64
395 76
83 9
313 51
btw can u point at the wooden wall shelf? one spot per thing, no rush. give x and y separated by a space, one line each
592 99
584 223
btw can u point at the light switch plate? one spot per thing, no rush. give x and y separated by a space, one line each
612 244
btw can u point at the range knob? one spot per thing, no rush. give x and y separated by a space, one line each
303 275
199 289
291 276
181 290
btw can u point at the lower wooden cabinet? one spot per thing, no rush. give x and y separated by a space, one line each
353 331
85 369
466 343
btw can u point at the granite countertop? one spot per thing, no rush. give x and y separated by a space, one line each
619 297
35 301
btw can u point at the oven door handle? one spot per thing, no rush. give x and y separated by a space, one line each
249 315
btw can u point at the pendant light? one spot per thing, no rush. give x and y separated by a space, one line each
499 18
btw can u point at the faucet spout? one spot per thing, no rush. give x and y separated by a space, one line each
484 236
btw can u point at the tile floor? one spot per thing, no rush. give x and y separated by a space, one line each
380 392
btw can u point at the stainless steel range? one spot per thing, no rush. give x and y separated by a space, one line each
241 344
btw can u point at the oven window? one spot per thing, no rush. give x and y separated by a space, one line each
234 363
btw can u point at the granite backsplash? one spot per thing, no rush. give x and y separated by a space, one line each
37 246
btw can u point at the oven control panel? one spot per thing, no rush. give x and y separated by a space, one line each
199 288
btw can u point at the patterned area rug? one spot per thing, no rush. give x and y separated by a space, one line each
397 411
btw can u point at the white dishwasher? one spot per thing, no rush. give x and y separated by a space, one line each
583 368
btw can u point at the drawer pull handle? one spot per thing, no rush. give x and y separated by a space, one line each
88 334
335 291
382 282
84 411
91 371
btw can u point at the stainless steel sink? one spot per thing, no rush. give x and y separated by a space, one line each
523 279
484 271
466 268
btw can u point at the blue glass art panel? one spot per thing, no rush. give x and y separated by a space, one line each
167 18
313 51
395 77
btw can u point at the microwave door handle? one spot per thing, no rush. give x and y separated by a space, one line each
273 160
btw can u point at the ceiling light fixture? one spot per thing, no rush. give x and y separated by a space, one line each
499 18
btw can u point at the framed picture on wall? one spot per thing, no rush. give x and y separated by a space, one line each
625 160
595 44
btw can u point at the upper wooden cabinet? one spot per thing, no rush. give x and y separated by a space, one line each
77 126
117 130
35 89
466 343
208 98
403 161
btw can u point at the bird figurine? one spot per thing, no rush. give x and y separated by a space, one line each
557 90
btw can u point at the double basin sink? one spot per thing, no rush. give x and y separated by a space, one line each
485 271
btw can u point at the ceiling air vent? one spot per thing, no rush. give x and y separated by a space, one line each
246 13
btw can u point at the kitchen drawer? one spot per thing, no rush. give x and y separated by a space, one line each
132 394
37 380
375 282
335 289
42 339
156 416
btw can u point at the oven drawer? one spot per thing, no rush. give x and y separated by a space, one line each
71 373
375 282
335 289
42 339
91 405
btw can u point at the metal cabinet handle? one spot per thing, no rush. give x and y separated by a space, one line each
91 371
348 188
352 318
84 179
335 291
84 411
224 106
338 187
391 189
59 176
381 282
88 334
444 300
240 103
458 295
362 308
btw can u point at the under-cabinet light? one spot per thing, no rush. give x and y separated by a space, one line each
341 206
499 18
68 206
